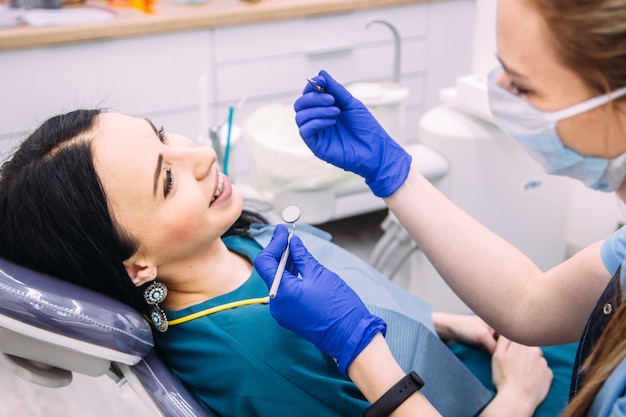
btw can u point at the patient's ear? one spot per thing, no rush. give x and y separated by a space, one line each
140 271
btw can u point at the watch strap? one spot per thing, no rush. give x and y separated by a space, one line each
395 396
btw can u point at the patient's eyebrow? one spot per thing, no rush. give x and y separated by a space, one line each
157 171
157 174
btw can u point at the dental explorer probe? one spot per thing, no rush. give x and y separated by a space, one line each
317 87
291 214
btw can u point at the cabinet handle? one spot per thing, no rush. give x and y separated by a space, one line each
329 53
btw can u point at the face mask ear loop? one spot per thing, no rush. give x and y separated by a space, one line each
585 106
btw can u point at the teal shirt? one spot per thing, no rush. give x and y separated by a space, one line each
240 362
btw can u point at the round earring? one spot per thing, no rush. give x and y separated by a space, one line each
154 294
158 319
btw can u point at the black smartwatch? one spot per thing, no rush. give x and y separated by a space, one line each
396 395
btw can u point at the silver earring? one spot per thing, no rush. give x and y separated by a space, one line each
154 294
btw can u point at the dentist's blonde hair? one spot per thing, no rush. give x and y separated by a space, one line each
589 37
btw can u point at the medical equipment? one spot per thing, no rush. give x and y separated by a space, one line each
231 111
291 214
50 328
281 161
217 309
223 135
317 87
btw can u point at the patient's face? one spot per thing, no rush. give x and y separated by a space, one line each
164 191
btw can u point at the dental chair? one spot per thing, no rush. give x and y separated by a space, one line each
50 328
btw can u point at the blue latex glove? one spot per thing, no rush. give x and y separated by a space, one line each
339 129
320 307
613 250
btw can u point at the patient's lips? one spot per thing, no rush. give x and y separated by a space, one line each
223 190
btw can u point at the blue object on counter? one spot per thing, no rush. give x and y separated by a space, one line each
231 111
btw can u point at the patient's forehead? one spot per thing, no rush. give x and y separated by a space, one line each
119 123
125 152
121 138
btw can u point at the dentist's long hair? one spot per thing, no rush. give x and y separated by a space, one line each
54 215
589 37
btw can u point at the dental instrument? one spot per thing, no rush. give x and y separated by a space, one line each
231 110
222 145
317 87
291 214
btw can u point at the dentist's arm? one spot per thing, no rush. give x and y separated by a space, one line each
495 279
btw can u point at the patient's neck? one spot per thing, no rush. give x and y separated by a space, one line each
218 272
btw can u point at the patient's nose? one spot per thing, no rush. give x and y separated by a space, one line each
202 159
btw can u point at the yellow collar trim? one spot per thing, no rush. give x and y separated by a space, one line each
217 309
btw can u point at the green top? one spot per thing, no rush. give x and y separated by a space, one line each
240 362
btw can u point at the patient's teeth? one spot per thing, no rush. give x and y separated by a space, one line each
218 190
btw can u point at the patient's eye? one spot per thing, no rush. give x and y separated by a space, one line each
168 183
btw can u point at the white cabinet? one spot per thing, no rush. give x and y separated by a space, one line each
149 76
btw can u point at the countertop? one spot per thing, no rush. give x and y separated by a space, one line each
170 16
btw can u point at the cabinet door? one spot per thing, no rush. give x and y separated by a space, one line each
269 60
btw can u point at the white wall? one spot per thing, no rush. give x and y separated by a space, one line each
449 53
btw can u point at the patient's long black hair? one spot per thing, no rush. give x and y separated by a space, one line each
54 215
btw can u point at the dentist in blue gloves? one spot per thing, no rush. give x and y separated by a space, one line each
561 92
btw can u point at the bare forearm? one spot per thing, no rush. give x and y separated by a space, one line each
506 404
375 370
461 249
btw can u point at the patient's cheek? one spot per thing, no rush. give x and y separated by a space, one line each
182 229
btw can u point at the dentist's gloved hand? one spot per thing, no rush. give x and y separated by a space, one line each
613 250
339 129
320 307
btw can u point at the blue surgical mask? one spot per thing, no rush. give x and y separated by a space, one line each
536 131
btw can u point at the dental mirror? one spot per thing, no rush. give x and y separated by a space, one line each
291 214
